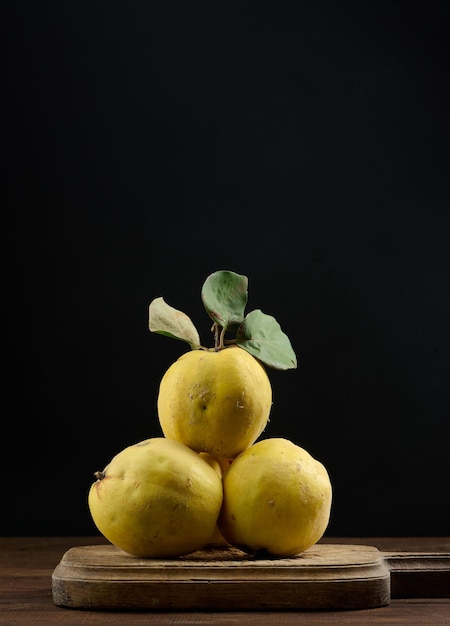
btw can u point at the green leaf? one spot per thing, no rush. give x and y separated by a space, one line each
224 296
262 337
165 320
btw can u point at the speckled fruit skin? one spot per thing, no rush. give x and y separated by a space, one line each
216 402
277 499
157 498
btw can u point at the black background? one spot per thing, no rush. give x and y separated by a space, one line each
302 144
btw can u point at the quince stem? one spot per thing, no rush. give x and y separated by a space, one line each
220 343
219 336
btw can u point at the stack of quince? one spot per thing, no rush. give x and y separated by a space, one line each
208 481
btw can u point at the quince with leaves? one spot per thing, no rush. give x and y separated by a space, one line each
218 399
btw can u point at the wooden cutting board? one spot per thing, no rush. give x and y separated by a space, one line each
324 577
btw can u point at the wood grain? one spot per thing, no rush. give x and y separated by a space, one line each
323 577
419 574
27 563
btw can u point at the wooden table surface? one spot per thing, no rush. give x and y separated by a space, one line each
27 564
